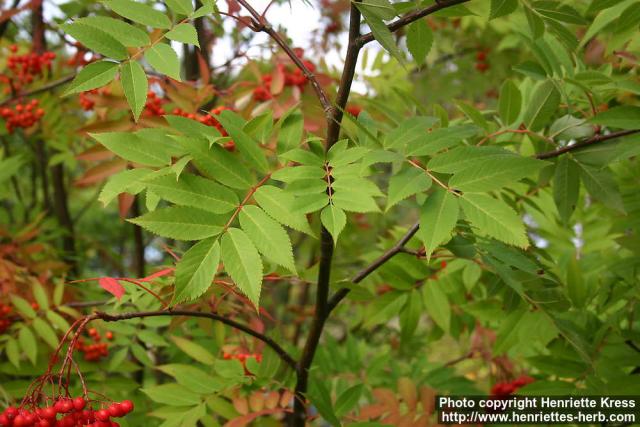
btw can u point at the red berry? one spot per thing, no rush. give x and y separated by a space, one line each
79 403
102 415
127 406
20 421
11 412
49 412
116 410
482 66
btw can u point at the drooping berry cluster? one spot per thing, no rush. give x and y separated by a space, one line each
23 69
5 320
48 401
22 115
66 412
507 388
209 120
95 351
153 106
293 76
482 64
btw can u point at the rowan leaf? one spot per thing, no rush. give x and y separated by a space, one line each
352 199
280 206
96 39
140 13
268 235
437 304
601 185
124 32
135 85
196 269
460 158
502 7
439 139
487 174
242 261
419 40
224 167
380 32
249 147
182 7
334 220
164 60
184 33
133 148
28 343
566 187
127 181
193 190
94 75
438 217
510 102
542 106
405 184
181 223
494 218
623 117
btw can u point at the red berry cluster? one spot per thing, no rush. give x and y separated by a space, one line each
243 357
72 412
293 77
87 103
85 100
98 349
481 60
22 115
5 321
209 120
507 388
263 93
153 107
25 67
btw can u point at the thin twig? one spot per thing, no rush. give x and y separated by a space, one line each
411 17
54 84
591 141
260 24
362 274
284 355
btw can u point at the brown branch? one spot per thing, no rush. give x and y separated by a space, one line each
362 274
260 24
284 355
45 88
348 73
322 308
411 17
591 141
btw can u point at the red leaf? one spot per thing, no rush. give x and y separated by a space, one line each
234 7
112 286
125 201
157 274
